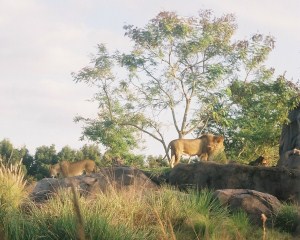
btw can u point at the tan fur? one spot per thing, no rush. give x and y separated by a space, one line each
202 147
70 169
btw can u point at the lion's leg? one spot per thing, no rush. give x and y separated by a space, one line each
177 158
203 156
89 170
172 161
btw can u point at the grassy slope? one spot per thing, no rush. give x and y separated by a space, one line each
164 214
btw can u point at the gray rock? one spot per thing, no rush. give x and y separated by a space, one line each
106 179
293 162
289 140
280 182
252 202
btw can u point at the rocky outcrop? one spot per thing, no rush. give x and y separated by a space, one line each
289 140
280 182
291 160
106 179
252 202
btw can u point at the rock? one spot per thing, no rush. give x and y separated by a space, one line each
280 182
290 139
116 178
293 162
254 203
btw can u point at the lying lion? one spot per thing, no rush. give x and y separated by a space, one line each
203 147
70 169
260 161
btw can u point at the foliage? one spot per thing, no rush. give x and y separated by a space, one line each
6 150
252 116
9 154
156 161
44 156
106 131
67 153
90 152
287 219
36 167
188 73
174 68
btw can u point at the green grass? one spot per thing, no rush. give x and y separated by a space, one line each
123 214
287 218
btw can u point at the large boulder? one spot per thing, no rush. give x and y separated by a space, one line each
289 140
106 179
280 182
292 161
252 202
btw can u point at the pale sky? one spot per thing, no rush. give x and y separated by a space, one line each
43 41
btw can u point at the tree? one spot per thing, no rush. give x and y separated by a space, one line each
44 156
177 70
8 154
91 152
254 115
250 112
67 153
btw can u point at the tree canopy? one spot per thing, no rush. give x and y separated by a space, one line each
189 73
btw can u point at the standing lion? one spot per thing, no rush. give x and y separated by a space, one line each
70 169
203 147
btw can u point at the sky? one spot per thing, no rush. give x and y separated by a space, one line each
43 41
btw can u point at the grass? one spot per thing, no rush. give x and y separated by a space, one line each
287 218
12 187
121 214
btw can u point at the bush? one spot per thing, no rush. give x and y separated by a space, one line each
287 218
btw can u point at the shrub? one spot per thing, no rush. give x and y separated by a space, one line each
287 218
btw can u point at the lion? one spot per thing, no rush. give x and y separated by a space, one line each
71 169
204 147
260 161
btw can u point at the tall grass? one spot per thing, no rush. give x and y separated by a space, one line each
12 195
287 219
121 214
12 187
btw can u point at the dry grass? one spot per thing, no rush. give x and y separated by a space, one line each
12 187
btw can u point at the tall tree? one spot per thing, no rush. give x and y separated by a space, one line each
176 70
